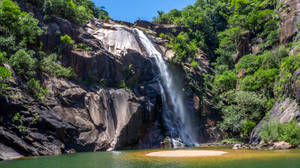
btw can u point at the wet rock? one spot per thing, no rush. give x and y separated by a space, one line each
167 143
237 146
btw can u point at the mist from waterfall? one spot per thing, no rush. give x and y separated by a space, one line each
176 118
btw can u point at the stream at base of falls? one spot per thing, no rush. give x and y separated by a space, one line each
138 159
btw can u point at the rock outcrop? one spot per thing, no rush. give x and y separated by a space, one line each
283 111
76 116
289 17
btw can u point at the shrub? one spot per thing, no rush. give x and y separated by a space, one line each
2 57
8 44
248 127
230 141
249 63
238 108
18 24
183 47
122 84
34 89
4 75
225 81
287 68
49 65
270 131
249 83
273 131
194 64
23 63
73 10
19 119
67 41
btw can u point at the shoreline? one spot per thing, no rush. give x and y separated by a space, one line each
186 153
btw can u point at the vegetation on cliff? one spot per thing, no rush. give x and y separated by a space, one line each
250 68
24 60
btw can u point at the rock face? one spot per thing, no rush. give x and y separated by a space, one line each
75 116
159 28
73 119
289 16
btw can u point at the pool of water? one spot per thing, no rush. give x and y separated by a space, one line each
137 159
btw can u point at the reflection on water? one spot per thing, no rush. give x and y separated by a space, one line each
137 159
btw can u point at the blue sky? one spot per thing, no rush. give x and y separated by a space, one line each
132 10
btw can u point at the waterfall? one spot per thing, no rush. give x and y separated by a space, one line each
176 118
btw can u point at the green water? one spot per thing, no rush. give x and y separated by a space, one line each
137 159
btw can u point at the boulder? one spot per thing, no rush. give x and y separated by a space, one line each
282 145
237 146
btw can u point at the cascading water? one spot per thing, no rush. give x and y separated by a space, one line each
176 118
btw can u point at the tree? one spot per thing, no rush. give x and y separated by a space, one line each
23 63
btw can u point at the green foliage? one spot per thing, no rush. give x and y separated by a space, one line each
50 65
5 74
73 10
67 40
36 90
273 131
194 64
18 119
103 14
230 141
183 47
203 21
2 57
249 83
238 108
248 127
287 68
23 63
17 27
248 63
122 84
82 46
225 81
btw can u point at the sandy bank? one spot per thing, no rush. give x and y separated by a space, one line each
186 153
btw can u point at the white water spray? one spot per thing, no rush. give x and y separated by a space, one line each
178 121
